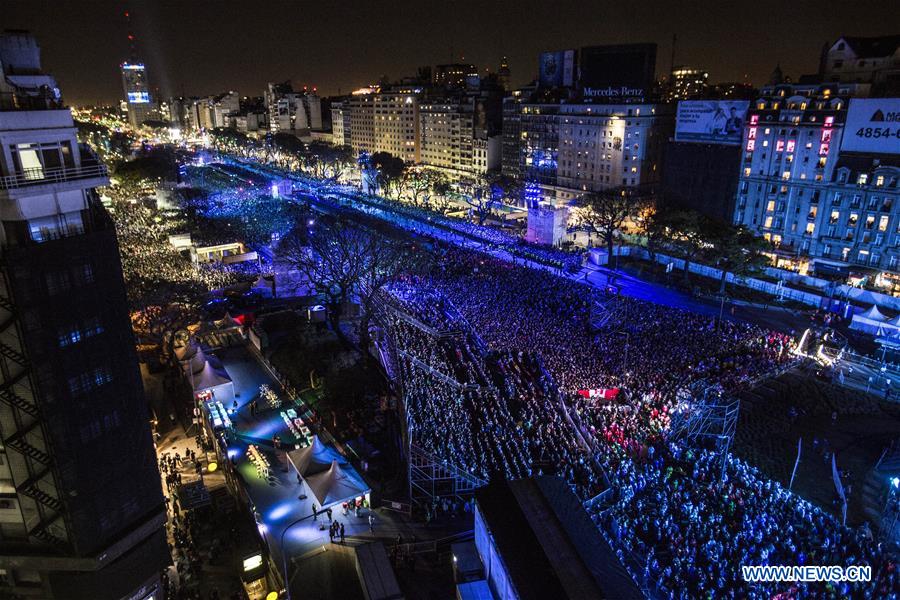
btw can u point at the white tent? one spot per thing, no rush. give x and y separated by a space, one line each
334 486
872 322
873 314
315 458
213 378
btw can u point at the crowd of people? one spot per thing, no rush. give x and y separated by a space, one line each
682 522
489 413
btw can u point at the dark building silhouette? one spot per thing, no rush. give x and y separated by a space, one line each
81 506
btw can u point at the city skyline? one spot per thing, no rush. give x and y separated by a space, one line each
194 50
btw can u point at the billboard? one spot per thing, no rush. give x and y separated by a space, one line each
557 69
617 72
873 125
711 121
138 97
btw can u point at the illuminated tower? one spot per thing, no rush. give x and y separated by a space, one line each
134 83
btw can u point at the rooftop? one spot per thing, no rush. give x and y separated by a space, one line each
548 543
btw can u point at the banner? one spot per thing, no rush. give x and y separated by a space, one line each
796 463
873 125
600 393
711 121
837 478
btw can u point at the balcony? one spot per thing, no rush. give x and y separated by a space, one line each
39 176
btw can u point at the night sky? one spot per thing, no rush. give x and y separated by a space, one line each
200 47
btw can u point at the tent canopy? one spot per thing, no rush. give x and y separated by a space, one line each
334 486
315 458
874 314
210 377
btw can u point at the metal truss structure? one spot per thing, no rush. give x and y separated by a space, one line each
429 477
707 418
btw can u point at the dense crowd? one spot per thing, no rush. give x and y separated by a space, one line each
489 413
681 522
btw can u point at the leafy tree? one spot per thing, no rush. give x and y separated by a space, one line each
687 233
478 193
738 251
605 212
421 184
327 162
505 188
390 171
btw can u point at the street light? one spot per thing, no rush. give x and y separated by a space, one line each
284 564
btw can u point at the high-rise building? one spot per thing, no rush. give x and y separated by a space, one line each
137 93
341 124
503 74
292 112
454 76
81 506
687 83
818 183
385 120
446 134
572 148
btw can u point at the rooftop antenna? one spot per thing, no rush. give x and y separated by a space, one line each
674 42
132 41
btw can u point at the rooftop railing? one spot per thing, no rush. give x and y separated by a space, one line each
41 176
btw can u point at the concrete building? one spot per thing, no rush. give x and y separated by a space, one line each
137 92
446 135
454 76
569 149
222 109
818 184
384 120
687 83
291 111
872 60
82 513
341 123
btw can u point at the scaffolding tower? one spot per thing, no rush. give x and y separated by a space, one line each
706 417
429 476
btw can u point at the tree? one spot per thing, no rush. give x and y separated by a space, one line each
390 171
738 252
687 233
505 188
330 255
384 258
421 184
479 195
326 162
605 212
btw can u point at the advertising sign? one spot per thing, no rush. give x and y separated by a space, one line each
557 69
873 125
711 121
138 97
614 73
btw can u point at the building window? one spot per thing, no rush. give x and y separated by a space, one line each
93 379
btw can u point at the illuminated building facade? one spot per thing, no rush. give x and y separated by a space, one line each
291 111
826 203
384 121
454 76
687 83
569 149
82 513
137 92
